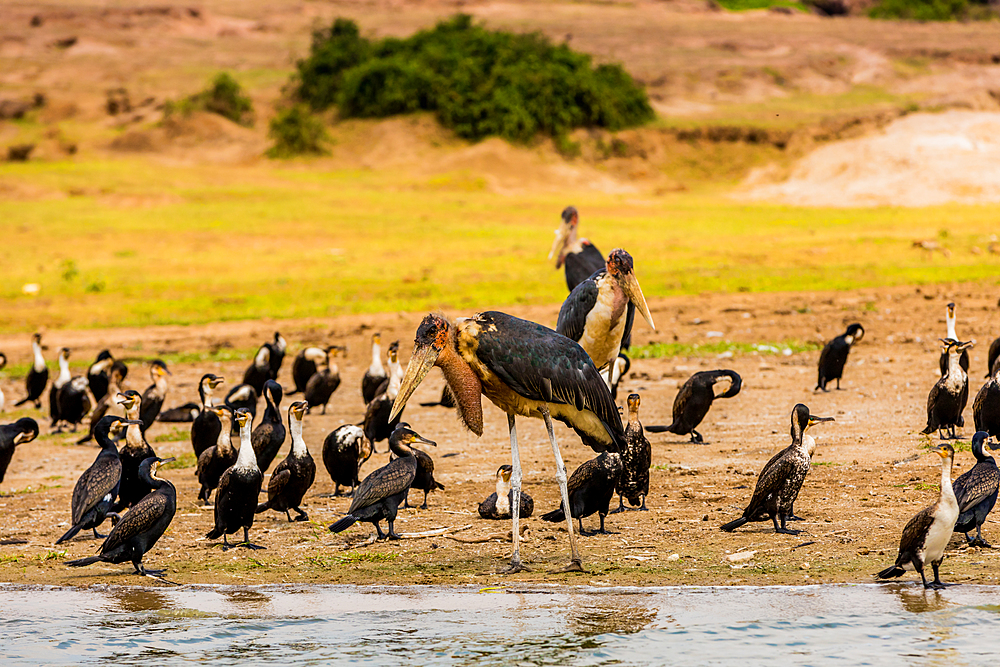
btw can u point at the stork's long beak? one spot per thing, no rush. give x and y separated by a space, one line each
562 233
634 293
421 363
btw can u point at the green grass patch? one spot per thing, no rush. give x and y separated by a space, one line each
185 460
743 5
224 96
32 489
174 435
933 10
658 350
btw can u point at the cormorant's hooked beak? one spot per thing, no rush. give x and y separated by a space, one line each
813 420
122 399
419 439
420 365
634 293
943 451
299 409
562 236
215 382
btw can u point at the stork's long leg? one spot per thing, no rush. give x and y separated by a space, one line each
576 563
515 508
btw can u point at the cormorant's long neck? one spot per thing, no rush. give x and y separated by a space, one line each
465 385
376 367
205 389
224 444
39 363
954 365
247 457
503 502
271 411
947 492
63 370
298 444
133 432
633 420
160 382
399 449
951 319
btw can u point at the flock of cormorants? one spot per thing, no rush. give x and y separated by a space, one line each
569 374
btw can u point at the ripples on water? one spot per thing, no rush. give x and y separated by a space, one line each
817 625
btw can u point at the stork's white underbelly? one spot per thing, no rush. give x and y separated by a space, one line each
602 334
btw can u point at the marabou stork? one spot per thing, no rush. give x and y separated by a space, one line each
599 311
580 256
525 369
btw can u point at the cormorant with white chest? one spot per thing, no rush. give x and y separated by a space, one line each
949 395
323 382
579 255
62 379
259 370
976 492
497 504
950 323
345 450
833 358
216 459
694 399
38 375
295 474
377 425
132 454
236 499
206 426
75 401
986 406
375 375
276 349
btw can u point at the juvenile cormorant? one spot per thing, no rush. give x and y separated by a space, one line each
259 370
105 406
323 383
695 398
295 474
242 396
61 381
991 358
75 401
99 374
236 499
579 255
375 375
306 363
497 504
834 356
23 430
781 479
216 459
95 491
38 375
276 350
155 394
132 454
380 493
524 369
595 312
637 455
206 426
423 480
269 435
986 407
377 424
964 359
345 450
136 533
591 487
949 395
976 492
927 534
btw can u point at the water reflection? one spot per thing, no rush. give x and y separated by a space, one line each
613 614
917 599
134 600
248 600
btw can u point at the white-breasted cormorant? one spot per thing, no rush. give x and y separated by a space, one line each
375 375
834 356
591 487
986 406
637 455
107 405
206 426
595 312
295 474
306 363
579 255
345 450
423 480
61 380
38 375
140 528
216 459
976 492
23 430
75 402
380 493
97 488
497 504
269 435
242 396
950 322
236 499
926 535
155 394
259 370
949 395
694 399
780 480
276 349
525 369
99 374
132 453
377 425
323 382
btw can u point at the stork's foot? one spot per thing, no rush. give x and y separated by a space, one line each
787 531
575 565
514 567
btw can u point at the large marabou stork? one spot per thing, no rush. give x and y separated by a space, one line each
598 313
525 369
579 255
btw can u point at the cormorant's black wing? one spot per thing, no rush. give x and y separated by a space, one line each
915 532
384 482
576 307
976 485
778 469
141 517
96 482
542 365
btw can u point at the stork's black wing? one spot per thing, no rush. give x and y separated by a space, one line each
542 365
576 307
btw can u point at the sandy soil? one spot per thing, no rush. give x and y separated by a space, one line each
869 476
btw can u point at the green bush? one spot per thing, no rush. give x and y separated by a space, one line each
932 10
479 82
295 131
224 97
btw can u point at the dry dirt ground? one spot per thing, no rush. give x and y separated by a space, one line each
870 474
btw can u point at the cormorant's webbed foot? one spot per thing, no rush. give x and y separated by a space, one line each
787 531
792 517
300 516
696 437
621 506
250 545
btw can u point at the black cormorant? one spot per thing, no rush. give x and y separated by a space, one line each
976 492
107 405
423 480
986 407
991 358
380 493
236 499
375 375
579 255
181 414
206 426
38 374
276 350
524 369
949 395
964 359
75 401
637 455
136 533
242 396
99 374
377 425
295 474
269 435
97 488
926 535
62 379
132 454
781 479
259 370
694 400
23 430
497 504
345 450
306 363
834 356
591 487
216 459
155 394
323 383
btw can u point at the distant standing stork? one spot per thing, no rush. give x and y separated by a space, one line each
598 312
525 369
580 256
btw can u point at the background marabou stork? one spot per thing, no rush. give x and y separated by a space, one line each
579 255
525 369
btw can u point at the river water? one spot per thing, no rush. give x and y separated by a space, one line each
305 625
